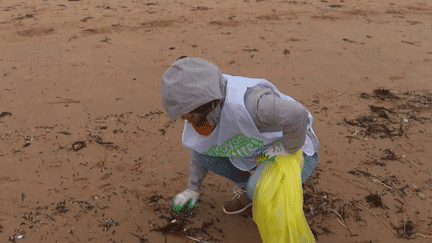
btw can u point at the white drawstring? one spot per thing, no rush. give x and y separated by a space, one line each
238 192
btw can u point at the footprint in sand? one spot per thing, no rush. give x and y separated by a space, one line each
35 32
81 182
56 164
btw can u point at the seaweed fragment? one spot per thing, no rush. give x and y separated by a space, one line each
99 140
108 224
389 155
180 224
384 94
78 145
375 201
152 113
142 239
155 198
61 207
5 113
358 172
175 226
381 111
405 230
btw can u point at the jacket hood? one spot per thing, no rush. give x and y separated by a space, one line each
190 83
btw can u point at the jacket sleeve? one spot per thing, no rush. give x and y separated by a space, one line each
271 113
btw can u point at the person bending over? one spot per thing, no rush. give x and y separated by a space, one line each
231 122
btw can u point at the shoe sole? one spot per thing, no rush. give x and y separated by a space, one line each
238 211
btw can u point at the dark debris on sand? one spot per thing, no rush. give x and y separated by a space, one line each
177 224
322 207
405 230
5 113
182 224
375 201
395 114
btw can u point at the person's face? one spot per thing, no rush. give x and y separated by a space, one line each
198 115
194 118
198 118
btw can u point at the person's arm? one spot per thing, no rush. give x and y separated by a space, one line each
189 197
271 113
197 173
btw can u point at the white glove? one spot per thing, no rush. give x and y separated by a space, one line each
186 198
277 148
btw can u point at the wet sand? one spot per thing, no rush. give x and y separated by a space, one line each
88 153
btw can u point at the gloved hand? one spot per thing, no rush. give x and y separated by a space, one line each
186 198
277 148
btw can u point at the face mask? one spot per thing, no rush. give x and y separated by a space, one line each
203 129
207 124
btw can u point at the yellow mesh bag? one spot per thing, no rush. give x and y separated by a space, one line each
278 202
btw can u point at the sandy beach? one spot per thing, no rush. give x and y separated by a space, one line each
88 153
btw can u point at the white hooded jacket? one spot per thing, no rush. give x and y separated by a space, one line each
251 109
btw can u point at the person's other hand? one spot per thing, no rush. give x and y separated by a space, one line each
277 148
187 198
